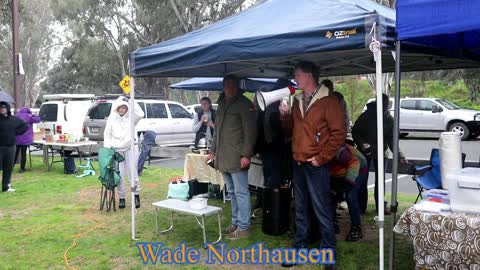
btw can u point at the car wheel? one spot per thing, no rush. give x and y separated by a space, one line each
403 135
460 128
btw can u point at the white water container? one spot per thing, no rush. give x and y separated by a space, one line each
450 155
464 190
198 203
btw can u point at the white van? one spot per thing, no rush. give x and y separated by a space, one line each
64 113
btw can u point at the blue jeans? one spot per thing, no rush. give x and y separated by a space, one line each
237 187
313 183
353 198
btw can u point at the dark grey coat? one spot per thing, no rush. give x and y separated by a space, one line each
235 132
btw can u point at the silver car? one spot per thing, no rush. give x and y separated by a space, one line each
436 115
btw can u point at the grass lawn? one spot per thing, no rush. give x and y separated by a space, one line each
50 212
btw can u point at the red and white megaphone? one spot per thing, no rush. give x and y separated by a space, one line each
266 98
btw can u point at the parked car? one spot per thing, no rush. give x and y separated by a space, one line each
169 120
436 115
195 108
64 113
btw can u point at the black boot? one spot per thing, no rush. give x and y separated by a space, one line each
355 234
288 265
121 204
137 201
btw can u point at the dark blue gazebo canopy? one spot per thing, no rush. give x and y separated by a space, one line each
262 39
450 25
266 40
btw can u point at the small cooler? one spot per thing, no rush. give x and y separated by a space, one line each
464 190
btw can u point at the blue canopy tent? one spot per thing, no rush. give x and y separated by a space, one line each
216 84
261 43
267 40
447 28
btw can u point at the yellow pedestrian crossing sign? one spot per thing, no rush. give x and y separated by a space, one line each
125 84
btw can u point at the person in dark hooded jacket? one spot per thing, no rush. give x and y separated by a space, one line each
364 133
10 127
26 139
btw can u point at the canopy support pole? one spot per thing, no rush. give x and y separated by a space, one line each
133 158
375 47
396 134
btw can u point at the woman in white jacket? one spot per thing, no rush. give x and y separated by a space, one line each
118 136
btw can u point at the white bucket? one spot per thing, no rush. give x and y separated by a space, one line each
450 154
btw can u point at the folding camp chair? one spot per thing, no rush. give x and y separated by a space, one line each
109 176
429 176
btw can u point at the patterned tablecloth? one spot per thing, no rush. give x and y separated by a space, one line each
445 240
195 167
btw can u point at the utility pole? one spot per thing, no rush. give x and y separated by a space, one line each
16 71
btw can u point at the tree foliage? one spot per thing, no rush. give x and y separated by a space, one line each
104 32
36 40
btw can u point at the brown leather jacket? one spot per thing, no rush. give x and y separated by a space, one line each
320 131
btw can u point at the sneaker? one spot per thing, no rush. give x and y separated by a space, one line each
228 197
230 229
10 190
237 234
121 204
343 205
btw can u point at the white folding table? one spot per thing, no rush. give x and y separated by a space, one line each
182 207
48 149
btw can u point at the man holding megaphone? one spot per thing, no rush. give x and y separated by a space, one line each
317 126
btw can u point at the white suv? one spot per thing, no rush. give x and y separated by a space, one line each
169 120
436 115
64 113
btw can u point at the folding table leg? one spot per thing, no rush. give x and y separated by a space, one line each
203 229
171 224
223 191
49 164
219 229
79 154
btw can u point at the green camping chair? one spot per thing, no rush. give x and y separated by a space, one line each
109 176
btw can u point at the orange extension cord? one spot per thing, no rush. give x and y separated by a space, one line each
88 215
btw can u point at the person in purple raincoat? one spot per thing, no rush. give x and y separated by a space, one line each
26 139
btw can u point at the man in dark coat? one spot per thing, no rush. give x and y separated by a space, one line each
10 127
232 147
364 133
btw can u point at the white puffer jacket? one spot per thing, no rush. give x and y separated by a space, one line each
117 133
